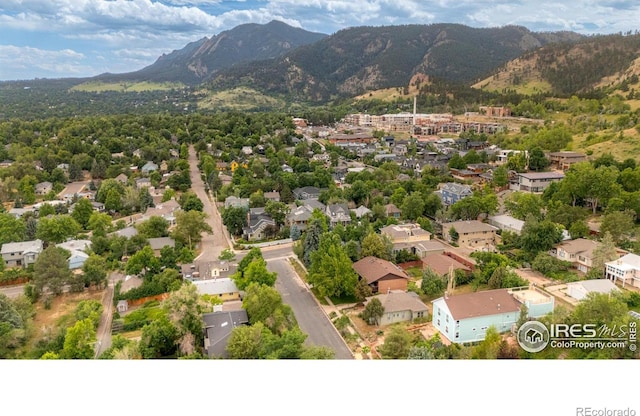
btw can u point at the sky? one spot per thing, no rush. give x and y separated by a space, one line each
83 38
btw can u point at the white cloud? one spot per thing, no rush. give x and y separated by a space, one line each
28 62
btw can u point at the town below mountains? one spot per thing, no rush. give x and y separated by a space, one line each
419 192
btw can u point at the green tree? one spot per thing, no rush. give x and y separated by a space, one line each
51 270
245 342
397 343
523 204
100 223
189 201
113 202
79 341
235 219
579 229
377 245
185 308
95 271
89 309
489 347
82 211
413 206
159 339
12 229
227 255
264 304
539 236
537 160
142 262
57 229
432 283
154 227
331 271
603 253
620 225
373 311
277 210
256 272
189 227
500 176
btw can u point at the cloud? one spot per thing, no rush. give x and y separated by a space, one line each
105 30
17 61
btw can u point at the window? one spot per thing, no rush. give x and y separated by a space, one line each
473 329
438 312
446 329
484 328
447 318
438 322
457 334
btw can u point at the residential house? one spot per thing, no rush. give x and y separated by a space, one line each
465 174
307 192
361 211
77 259
21 254
443 265
43 188
410 237
579 253
235 202
451 192
79 250
158 243
392 211
258 222
143 183
580 290
338 214
218 327
247 150
564 160
122 178
166 210
299 217
471 233
535 182
502 156
272 196
506 223
400 306
381 275
149 167
625 269
97 206
19 212
225 179
222 166
122 306
127 232
224 288
466 318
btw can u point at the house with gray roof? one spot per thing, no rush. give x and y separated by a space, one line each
580 290
257 223
299 217
338 214
21 254
218 327
307 192
400 306
235 202
159 243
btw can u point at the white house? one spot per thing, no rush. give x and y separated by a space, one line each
626 269
579 290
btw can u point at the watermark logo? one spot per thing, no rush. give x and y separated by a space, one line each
533 336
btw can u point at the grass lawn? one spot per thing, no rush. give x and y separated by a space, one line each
414 272
344 300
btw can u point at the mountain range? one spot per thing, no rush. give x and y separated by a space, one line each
276 58
271 64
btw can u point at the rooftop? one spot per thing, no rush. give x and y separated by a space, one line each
485 303
373 269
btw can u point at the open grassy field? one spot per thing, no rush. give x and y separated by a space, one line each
240 99
98 86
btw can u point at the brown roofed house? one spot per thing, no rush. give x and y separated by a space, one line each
443 264
477 304
381 275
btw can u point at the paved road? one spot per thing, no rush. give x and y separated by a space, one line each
12 291
212 244
311 319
